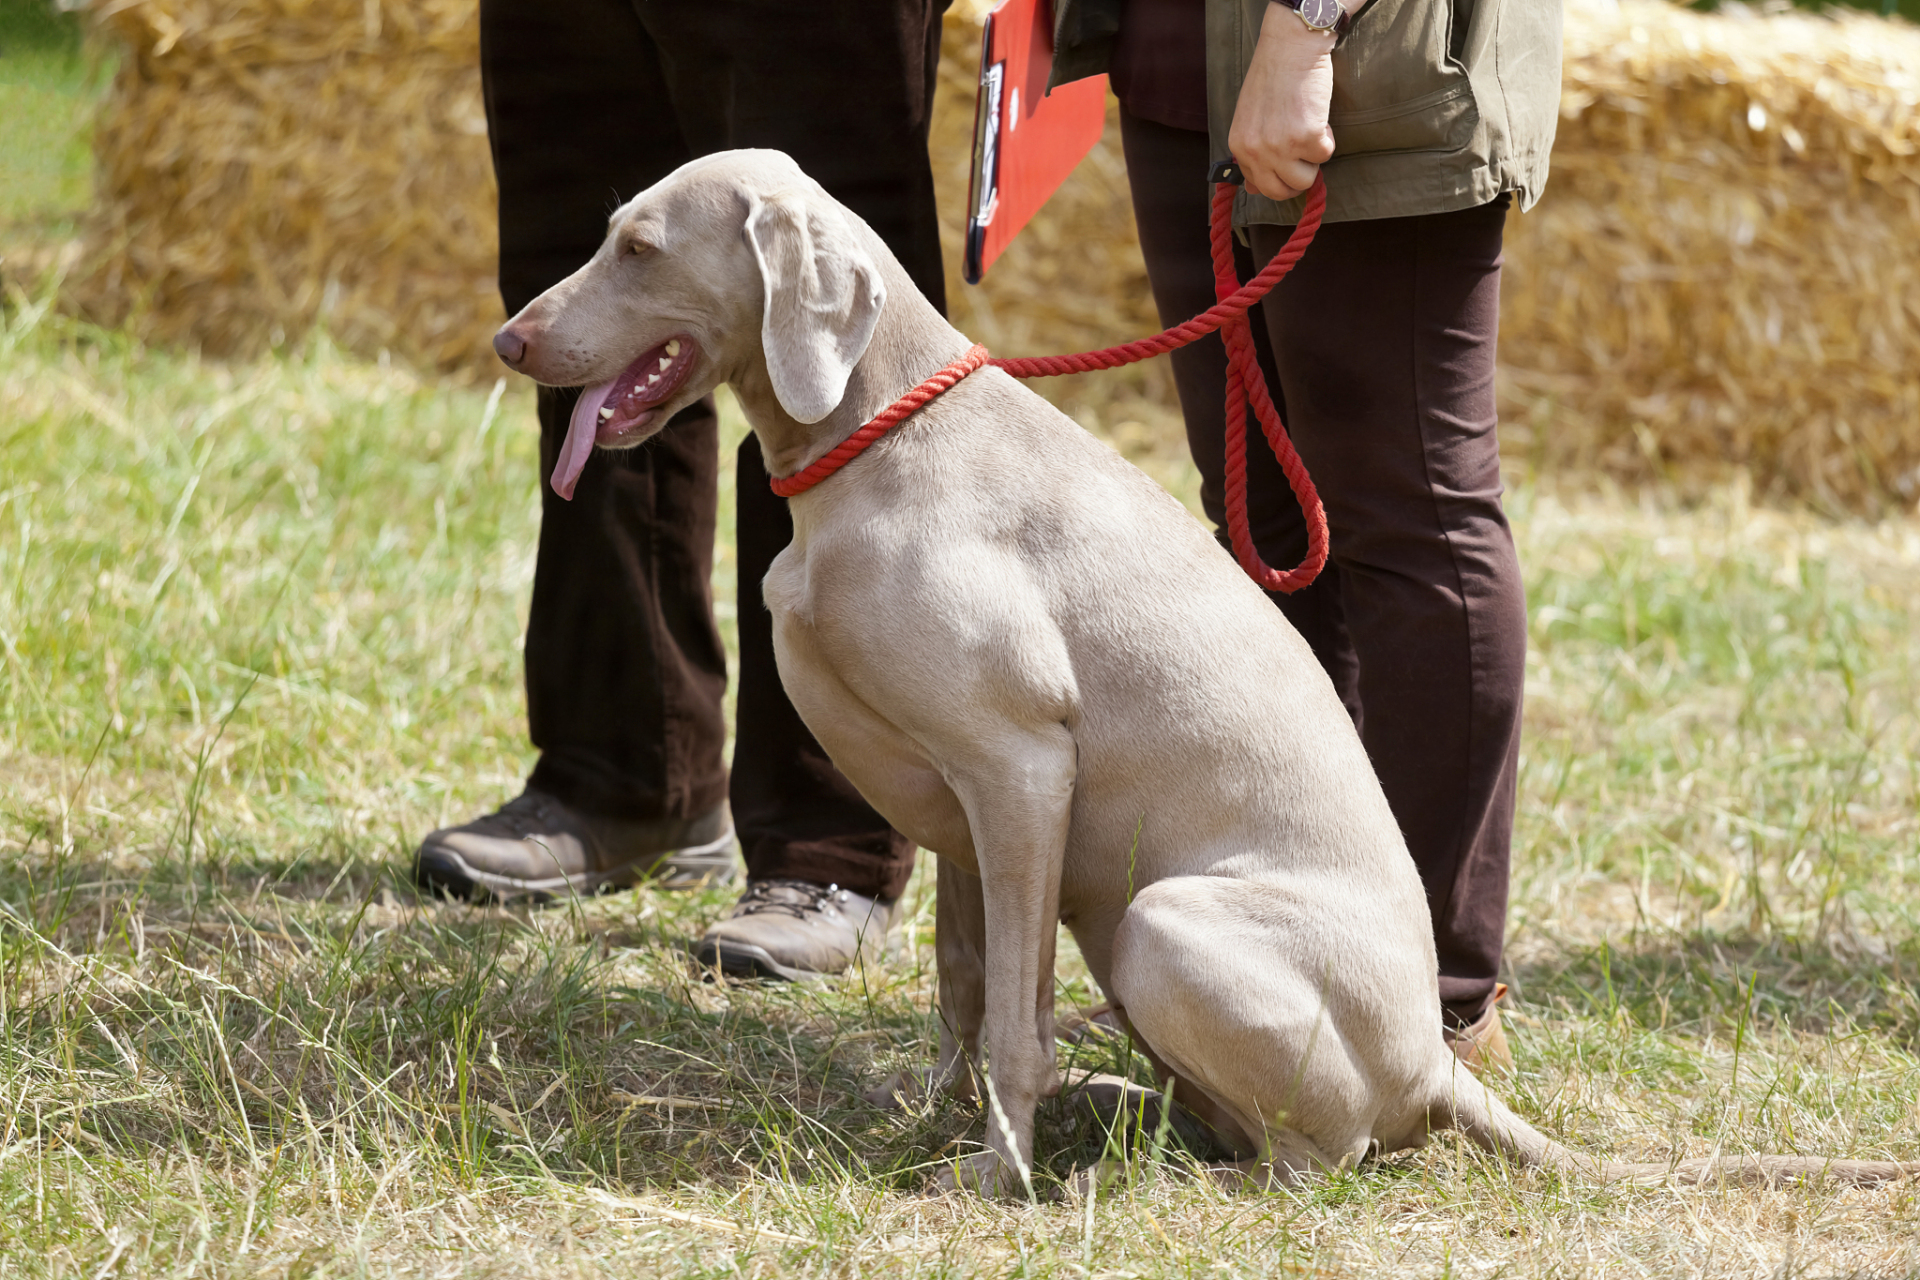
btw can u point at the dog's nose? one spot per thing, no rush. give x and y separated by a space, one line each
510 346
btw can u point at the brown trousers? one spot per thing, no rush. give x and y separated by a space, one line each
1379 348
1386 337
589 102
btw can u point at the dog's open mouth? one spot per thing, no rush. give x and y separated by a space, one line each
626 405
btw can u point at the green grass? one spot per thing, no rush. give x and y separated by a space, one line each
47 91
259 630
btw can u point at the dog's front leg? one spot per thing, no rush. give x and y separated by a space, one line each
1019 802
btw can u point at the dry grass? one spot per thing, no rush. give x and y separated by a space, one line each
258 626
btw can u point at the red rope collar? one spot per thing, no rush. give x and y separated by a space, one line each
1246 387
849 449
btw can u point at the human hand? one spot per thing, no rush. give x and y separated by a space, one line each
1279 135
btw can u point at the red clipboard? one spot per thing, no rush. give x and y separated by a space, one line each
1025 140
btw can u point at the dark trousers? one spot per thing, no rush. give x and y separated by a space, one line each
1379 348
589 102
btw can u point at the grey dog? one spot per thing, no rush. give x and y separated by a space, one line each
1035 663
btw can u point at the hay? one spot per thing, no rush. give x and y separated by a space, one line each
1722 274
268 164
1725 271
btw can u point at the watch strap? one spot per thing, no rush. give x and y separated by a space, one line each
1306 9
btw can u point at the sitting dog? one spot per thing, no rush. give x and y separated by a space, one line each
1036 664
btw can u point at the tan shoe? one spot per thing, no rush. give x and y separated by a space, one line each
535 847
794 931
1482 1045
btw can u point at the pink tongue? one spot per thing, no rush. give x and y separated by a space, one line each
578 446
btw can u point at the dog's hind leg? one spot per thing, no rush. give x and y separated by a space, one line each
959 945
1214 974
1224 1131
1287 1161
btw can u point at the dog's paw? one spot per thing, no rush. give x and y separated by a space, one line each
1250 1175
984 1173
1129 1112
1102 1023
1095 1178
903 1090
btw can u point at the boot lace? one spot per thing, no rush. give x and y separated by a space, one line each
797 898
524 815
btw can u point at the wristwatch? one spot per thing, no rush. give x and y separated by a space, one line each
1321 15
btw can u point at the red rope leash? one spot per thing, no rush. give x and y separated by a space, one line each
1245 385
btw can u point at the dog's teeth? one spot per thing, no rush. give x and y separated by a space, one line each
664 362
673 349
605 414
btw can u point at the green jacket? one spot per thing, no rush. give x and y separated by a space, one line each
1437 104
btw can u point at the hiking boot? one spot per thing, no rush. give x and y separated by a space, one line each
533 846
1481 1045
794 931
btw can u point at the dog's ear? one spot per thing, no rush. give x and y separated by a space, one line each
823 298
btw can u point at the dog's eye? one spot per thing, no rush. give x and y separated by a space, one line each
635 248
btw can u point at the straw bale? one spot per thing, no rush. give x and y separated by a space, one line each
1722 277
1723 273
266 164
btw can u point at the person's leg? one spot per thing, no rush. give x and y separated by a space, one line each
845 89
1167 170
624 668
759 74
1431 657
1384 337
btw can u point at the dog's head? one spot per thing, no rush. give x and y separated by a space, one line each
731 263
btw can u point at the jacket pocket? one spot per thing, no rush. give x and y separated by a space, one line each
1443 120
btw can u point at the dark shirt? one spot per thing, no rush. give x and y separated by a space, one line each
1159 67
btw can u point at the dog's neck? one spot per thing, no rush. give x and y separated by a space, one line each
910 344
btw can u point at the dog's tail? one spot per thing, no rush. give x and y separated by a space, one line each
1479 1114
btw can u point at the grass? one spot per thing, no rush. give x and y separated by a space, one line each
1908 9
47 90
259 630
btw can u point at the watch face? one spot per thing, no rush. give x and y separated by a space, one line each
1320 14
